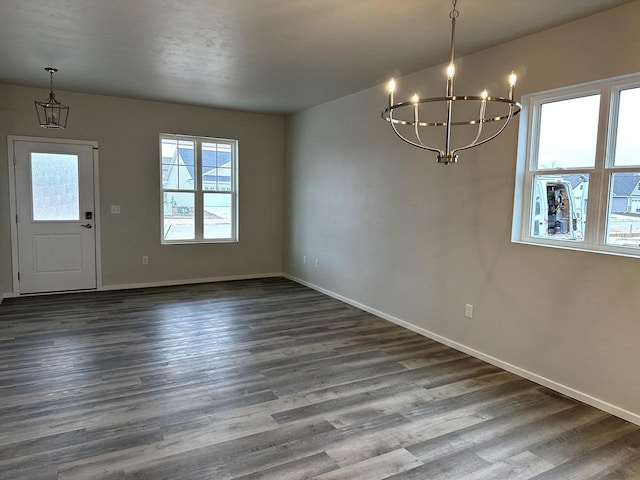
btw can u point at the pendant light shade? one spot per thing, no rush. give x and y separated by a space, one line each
52 113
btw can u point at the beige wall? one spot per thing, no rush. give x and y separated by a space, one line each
127 132
417 241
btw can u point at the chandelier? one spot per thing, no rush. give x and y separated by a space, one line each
409 118
52 113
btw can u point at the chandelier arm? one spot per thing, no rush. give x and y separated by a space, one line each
419 145
417 133
416 125
481 122
504 125
393 122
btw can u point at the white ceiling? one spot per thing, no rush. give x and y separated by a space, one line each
275 56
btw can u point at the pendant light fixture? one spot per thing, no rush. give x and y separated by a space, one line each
409 119
52 113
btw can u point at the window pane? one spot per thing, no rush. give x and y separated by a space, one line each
559 206
224 179
217 215
628 137
178 208
623 222
178 162
216 166
54 187
568 133
209 155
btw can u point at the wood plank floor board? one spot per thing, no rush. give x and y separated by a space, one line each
581 440
300 448
598 462
378 467
307 467
268 379
626 471
522 465
510 443
458 465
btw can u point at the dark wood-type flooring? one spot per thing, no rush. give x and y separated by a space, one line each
267 379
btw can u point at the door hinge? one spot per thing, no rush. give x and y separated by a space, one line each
16 218
18 275
14 160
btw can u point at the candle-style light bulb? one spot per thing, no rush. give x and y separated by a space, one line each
392 87
512 84
451 70
415 98
484 94
52 118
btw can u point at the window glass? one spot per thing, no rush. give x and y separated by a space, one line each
627 152
216 166
178 216
568 133
217 215
54 187
178 162
559 206
623 220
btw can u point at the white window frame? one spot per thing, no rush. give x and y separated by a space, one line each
599 176
199 191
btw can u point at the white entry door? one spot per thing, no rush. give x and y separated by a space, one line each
55 216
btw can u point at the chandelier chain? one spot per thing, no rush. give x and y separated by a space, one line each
454 13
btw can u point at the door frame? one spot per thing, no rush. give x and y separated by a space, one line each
13 204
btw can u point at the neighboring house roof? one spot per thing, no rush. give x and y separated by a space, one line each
216 165
625 184
211 162
575 179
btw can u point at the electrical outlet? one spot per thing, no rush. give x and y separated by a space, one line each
304 259
468 311
317 263
115 209
145 260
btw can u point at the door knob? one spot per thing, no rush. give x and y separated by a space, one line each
87 225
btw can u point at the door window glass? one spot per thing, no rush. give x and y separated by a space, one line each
54 187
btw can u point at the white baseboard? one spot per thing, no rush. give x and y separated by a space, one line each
547 382
190 281
168 283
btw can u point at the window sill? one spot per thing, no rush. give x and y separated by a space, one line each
198 242
631 252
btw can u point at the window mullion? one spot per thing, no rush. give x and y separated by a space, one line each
597 205
198 207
